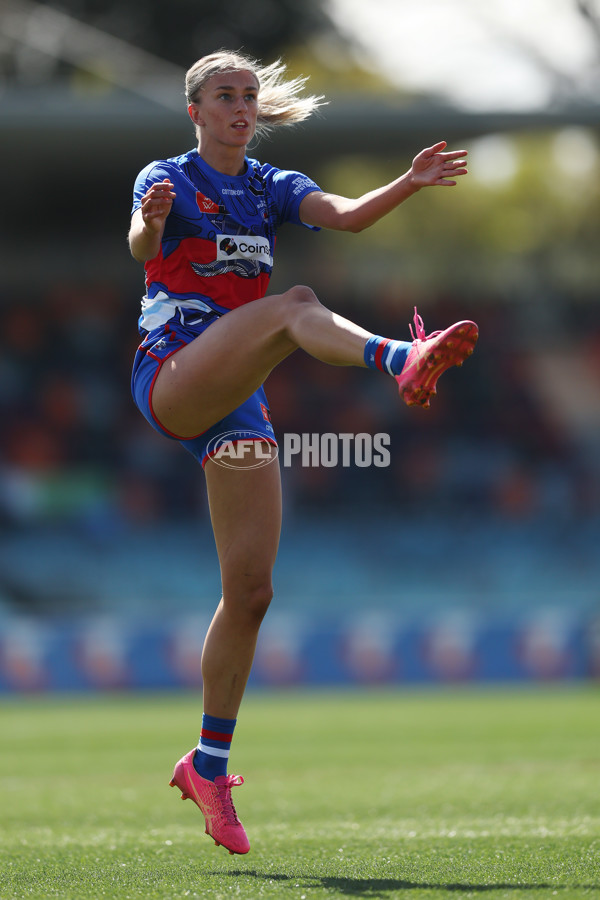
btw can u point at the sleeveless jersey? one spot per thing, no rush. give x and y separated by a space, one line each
219 239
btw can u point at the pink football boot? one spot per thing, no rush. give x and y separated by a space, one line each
214 801
430 356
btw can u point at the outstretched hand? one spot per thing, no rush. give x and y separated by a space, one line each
156 204
433 167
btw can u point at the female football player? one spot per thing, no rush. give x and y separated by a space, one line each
204 224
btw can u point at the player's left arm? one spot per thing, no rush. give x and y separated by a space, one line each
432 166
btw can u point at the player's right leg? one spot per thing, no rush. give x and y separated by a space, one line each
245 508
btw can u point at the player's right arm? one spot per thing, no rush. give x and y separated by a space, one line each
148 221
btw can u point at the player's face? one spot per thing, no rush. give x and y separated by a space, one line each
226 108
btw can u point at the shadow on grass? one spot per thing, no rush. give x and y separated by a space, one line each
382 887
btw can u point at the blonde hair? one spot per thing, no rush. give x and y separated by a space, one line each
278 100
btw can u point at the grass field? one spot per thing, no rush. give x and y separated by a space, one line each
384 794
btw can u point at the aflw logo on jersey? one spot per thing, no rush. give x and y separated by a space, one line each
243 246
205 204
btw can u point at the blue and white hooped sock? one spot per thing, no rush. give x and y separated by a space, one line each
387 355
212 753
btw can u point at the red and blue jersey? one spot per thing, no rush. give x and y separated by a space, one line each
219 239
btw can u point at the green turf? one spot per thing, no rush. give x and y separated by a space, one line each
384 794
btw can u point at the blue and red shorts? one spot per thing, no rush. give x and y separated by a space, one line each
251 420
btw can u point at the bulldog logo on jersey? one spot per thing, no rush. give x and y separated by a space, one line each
205 204
227 246
244 246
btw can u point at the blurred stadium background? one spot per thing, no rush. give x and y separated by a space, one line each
481 557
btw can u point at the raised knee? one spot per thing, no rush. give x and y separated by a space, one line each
301 294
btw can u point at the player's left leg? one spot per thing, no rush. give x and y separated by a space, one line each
245 507
423 361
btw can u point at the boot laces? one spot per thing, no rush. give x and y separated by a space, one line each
419 332
224 791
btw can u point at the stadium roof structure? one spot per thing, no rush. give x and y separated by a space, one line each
115 107
125 125
132 107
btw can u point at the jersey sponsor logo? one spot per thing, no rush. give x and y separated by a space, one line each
205 204
232 192
243 246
